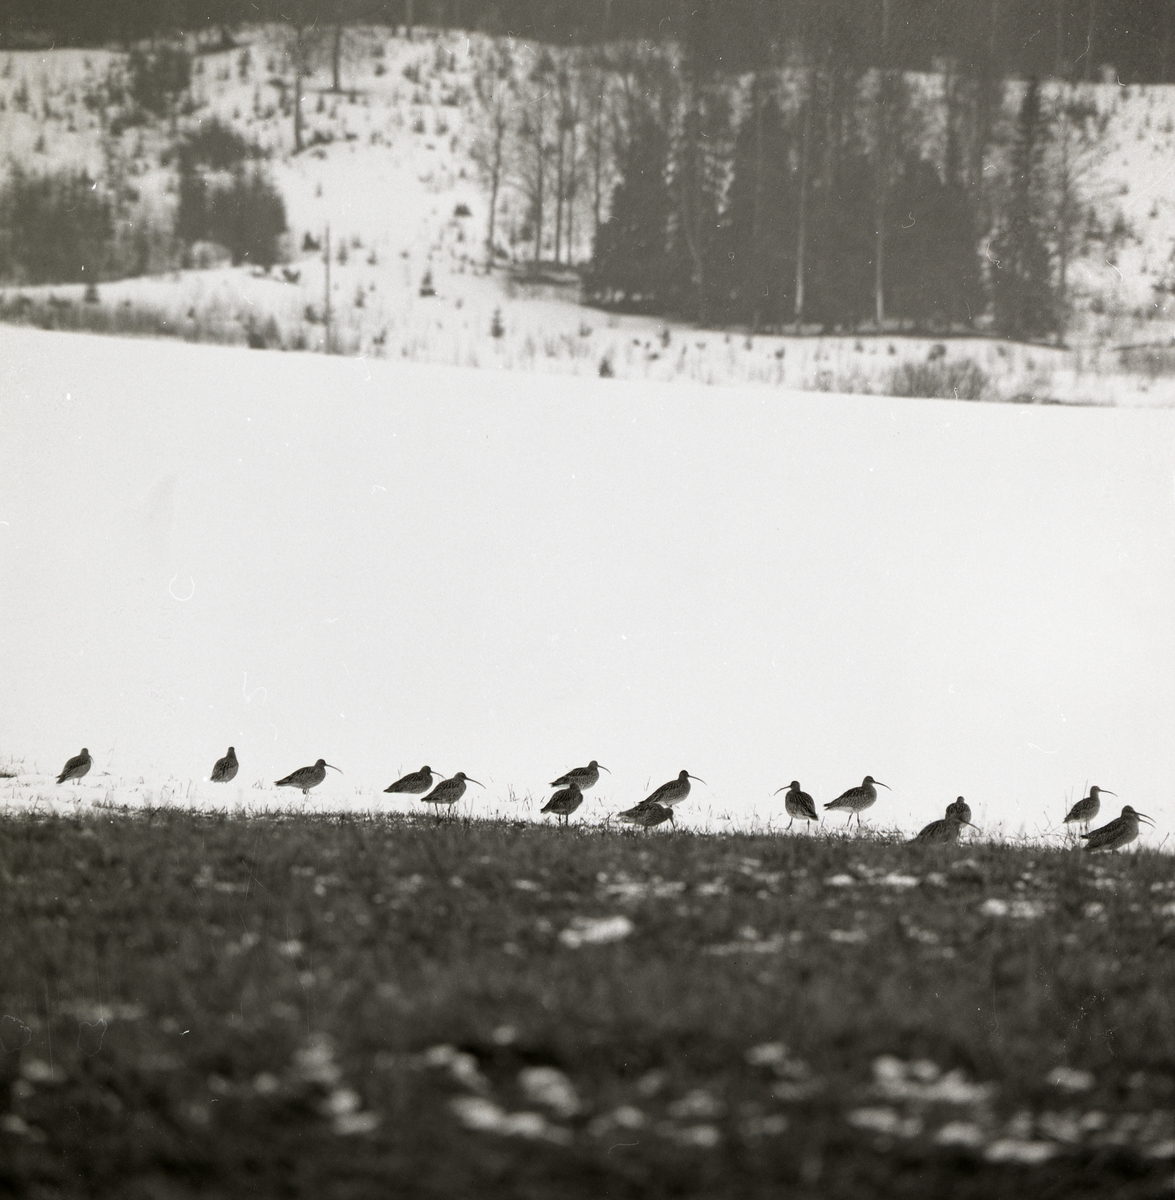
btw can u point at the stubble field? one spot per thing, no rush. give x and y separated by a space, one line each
306 1005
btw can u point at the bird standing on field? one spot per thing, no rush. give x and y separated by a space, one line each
948 829
858 798
413 783
76 767
563 803
648 813
798 804
307 777
1119 832
961 807
449 791
1085 810
671 793
226 768
582 777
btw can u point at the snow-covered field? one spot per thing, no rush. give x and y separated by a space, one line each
387 564
391 171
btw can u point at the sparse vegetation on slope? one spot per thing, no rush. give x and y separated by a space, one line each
330 1007
391 162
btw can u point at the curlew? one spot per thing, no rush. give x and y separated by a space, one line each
961 807
1119 832
949 828
76 767
1084 811
582 777
413 783
307 777
563 803
226 768
647 814
449 791
858 798
671 793
798 804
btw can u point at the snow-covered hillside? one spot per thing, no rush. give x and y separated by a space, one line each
386 564
388 169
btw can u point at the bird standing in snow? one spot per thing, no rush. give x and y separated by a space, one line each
76 767
307 777
1119 832
859 798
226 768
564 802
798 804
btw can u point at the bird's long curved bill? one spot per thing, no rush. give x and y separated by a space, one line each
1144 817
699 779
884 785
333 768
603 768
468 780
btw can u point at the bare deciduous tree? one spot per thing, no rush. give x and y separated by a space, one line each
497 97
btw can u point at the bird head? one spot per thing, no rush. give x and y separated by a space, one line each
1129 812
1097 791
465 778
323 763
869 779
686 775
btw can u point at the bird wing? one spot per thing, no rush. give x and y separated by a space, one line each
638 809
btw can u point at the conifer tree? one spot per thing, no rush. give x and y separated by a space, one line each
1023 296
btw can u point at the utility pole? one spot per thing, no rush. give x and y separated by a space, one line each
326 302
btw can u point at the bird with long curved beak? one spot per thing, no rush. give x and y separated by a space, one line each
306 777
76 767
449 791
673 792
582 777
414 782
858 798
646 814
1085 810
798 804
946 830
963 809
1119 832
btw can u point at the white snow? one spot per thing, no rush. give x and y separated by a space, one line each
390 182
386 564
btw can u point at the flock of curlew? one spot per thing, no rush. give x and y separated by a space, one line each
657 808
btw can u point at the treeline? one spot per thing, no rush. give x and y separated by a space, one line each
62 226
816 190
1026 38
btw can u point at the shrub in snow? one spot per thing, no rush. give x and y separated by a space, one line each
52 226
962 379
158 76
247 215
